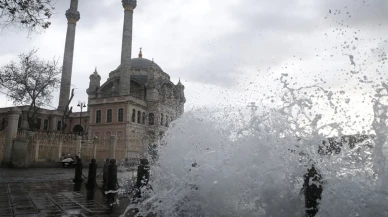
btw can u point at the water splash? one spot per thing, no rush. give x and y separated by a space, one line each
213 163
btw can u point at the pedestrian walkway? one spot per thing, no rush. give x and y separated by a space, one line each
51 192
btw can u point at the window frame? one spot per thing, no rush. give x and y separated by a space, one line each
59 125
138 116
98 117
38 123
109 119
46 124
118 115
151 117
143 118
134 115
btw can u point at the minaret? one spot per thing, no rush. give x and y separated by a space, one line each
94 84
126 48
72 16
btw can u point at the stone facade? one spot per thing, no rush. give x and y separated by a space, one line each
152 103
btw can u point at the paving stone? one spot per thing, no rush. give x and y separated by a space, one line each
16 191
51 211
19 198
44 206
41 196
4 199
25 211
7 211
4 205
21 204
29 215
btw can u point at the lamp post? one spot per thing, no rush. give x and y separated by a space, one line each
81 104
253 107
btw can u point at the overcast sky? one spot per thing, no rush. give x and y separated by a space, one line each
225 52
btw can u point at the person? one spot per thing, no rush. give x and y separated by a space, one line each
78 170
111 183
312 187
143 176
105 172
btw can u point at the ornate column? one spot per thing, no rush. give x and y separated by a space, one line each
126 47
12 129
72 16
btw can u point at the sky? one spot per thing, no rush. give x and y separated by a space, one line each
226 53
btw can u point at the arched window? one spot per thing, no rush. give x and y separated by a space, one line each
78 128
151 119
98 116
107 134
144 118
119 134
138 117
3 124
120 115
45 124
20 122
59 125
109 116
133 115
38 123
166 124
161 119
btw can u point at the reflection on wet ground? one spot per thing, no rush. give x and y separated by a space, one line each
51 192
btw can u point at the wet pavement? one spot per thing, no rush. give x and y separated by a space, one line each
51 192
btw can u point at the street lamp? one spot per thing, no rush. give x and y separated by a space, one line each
253 107
82 105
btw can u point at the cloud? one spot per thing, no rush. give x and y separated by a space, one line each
213 45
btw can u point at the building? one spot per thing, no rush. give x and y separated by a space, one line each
136 103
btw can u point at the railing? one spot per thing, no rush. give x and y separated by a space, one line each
87 150
102 149
49 147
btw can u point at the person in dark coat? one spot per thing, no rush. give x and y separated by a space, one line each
111 183
143 176
78 170
92 174
312 187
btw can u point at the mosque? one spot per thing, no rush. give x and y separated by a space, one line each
137 100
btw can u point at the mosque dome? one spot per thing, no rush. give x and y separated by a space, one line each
143 63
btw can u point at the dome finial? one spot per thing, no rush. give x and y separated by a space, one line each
179 82
95 71
140 54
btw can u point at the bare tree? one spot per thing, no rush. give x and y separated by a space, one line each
33 15
31 81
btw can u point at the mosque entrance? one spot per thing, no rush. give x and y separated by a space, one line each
78 129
